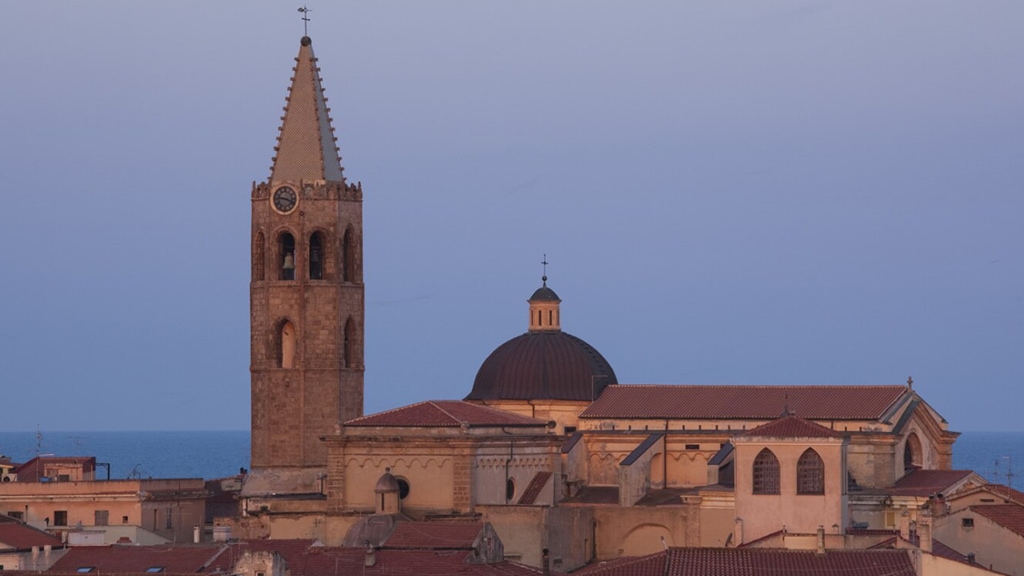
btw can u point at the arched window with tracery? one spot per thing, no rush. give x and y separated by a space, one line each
286 250
766 473
810 473
316 256
348 354
258 257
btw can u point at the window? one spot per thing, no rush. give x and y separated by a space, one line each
967 522
15 514
286 344
348 254
316 256
286 245
155 569
912 452
348 354
766 473
63 477
60 518
692 446
510 489
101 517
810 473
169 521
124 519
84 569
570 430
403 488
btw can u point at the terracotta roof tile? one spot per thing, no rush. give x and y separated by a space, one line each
928 482
1009 516
744 402
21 537
137 559
791 427
445 413
434 535
537 483
759 562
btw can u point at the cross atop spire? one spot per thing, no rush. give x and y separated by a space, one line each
306 149
305 20
544 278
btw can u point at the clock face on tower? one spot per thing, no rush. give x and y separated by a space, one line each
284 200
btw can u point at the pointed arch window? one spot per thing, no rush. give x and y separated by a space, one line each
286 344
348 254
286 248
912 452
258 258
316 256
766 473
810 473
348 354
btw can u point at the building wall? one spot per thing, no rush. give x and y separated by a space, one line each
636 531
763 514
992 544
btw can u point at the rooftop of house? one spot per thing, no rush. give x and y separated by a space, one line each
720 402
1009 516
445 413
790 426
924 483
18 536
758 562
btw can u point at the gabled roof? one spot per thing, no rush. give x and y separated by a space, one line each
35 468
929 482
1009 516
306 148
791 427
758 562
1001 491
444 413
642 401
22 537
137 559
434 535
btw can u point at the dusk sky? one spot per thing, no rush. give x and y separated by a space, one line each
783 192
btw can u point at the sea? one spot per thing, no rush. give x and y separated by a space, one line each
998 456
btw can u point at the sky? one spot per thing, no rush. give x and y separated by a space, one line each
785 192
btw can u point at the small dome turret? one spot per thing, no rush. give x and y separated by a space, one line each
387 484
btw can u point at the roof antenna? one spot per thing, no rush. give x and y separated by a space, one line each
544 278
305 20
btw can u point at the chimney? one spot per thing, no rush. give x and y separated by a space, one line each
924 532
821 539
905 524
195 534
971 558
371 557
545 559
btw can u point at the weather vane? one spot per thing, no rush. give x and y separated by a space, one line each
305 20
544 278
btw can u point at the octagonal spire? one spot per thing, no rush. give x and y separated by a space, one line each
306 149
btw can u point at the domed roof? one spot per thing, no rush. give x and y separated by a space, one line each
544 294
543 365
387 483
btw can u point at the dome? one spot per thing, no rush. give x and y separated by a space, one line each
386 483
545 294
542 365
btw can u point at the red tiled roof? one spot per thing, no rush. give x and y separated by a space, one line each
927 482
792 427
434 535
760 562
21 537
445 413
1005 492
744 402
137 559
1009 516
537 483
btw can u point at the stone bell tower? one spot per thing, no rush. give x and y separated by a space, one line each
306 295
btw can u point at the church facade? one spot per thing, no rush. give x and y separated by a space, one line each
548 446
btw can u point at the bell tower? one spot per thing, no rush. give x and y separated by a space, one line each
306 294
